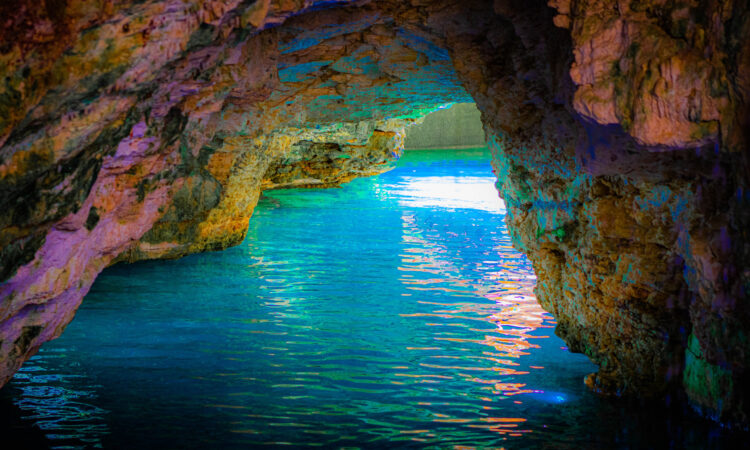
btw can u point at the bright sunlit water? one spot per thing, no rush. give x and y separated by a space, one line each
391 312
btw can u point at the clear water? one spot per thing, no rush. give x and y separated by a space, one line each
390 312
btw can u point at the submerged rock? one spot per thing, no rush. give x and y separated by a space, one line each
135 130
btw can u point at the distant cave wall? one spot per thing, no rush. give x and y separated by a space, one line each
459 126
619 135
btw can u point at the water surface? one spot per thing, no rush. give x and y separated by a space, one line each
390 312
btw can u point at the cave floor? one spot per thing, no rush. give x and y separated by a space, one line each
393 311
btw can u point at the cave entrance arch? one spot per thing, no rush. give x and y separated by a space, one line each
140 132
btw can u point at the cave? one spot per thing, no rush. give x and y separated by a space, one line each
618 132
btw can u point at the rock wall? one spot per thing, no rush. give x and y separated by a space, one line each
459 126
148 129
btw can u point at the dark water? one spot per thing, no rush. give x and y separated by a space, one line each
390 313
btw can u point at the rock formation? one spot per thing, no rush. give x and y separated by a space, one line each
459 126
619 131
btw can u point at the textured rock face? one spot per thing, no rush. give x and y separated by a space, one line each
459 126
132 130
663 249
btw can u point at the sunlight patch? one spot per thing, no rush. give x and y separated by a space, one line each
450 192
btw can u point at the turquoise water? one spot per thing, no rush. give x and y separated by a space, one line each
390 312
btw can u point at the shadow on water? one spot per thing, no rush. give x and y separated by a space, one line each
391 312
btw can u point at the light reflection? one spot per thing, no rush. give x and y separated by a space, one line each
506 284
449 192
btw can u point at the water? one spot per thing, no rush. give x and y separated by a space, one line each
390 312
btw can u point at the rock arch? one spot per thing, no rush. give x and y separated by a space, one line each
619 135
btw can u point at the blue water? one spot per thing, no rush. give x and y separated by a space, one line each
390 312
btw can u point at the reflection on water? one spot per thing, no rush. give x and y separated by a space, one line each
391 312
447 192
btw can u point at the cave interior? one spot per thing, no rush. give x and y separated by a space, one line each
134 130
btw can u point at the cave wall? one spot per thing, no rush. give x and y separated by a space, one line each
459 126
136 130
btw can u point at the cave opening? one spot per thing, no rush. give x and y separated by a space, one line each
145 130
